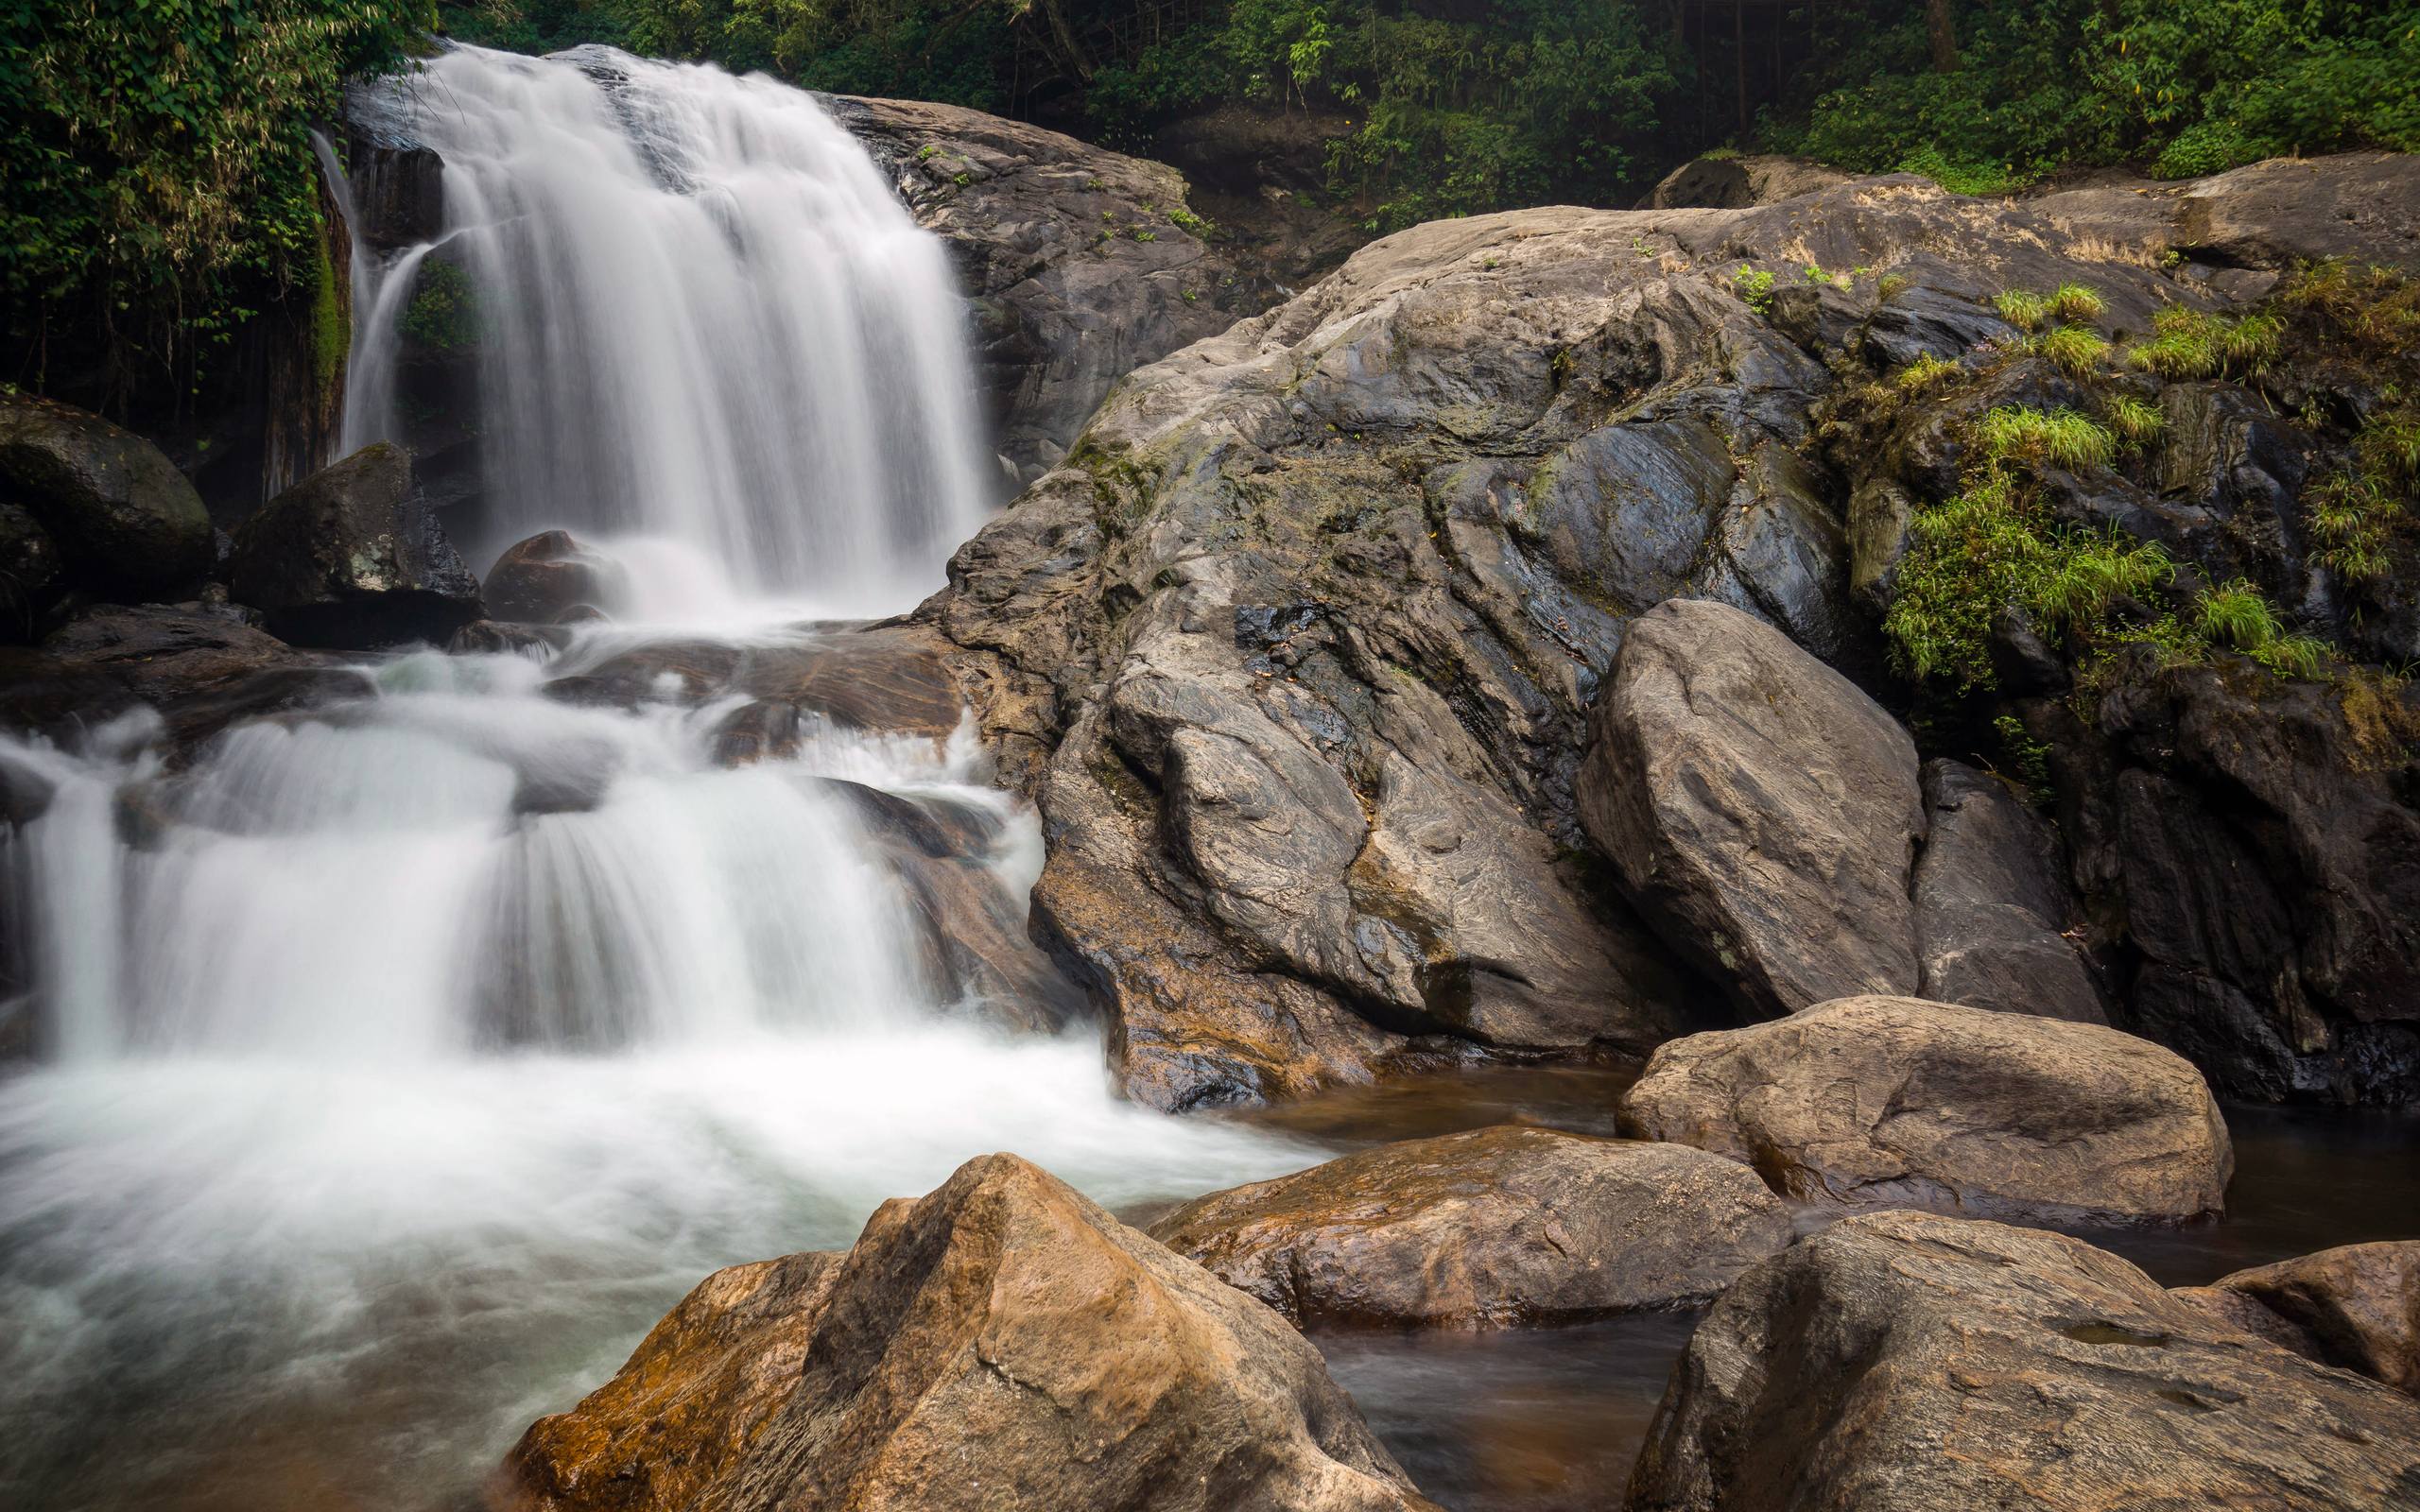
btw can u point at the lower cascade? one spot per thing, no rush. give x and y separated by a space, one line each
397 1062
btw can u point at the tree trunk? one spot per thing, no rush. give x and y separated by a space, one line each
1943 36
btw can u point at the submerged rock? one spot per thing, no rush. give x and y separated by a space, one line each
122 516
1875 1100
1002 1342
353 558
1490 1229
1906 1362
1758 806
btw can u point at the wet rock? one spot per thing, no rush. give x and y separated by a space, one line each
1875 1100
31 569
1082 263
2358 1305
397 182
122 516
353 558
1993 908
203 670
1906 1362
490 638
1758 806
1002 1342
883 677
1495 1228
545 580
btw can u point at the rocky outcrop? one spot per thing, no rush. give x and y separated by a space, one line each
1872 1101
115 512
1905 1362
1739 180
353 558
1993 907
2266 217
1002 1342
2357 1307
1490 1229
1759 807
1082 263
1413 512
550 577
895 679
201 667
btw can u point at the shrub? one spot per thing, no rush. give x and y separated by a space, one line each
1755 286
444 313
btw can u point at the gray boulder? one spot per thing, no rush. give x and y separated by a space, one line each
1993 905
1906 1362
353 558
1758 806
1874 1101
122 516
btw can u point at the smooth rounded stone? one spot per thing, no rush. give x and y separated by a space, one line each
1739 181
118 510
1991 907
2358 1305
548 577
353 558
1879 1101
1906 1362
1757 806
1490 1229
1000 1343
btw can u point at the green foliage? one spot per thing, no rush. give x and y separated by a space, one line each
159 181
1926 372
2022 310
2187 344
2136 421
2355 521
2073 350
1186 220
331 332
2075 303
2193 86
2061 438
443 313
2236 615
1754 287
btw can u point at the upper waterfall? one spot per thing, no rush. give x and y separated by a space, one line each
702 317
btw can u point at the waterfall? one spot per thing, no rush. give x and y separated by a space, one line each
702 316
399 1060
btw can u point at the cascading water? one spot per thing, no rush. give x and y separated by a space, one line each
399 1062
702 316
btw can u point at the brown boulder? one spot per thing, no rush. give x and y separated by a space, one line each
541 580
1001 1343
1758 807
1896 1100
202 669
1488 1228
2358 1304
1906 1362
1992 908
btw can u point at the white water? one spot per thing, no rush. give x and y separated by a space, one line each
399 1063
704 317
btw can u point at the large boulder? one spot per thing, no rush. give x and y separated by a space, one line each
1994 909
1735 181
1488 1228
2358 1306
1875 1100
1906 1362
1759 806
353 558
1082 263
120 512
1002 1342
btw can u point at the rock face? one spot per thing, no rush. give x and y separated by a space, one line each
1001 1343
1993 905
2268 215
548 576
1872 1100
1739 182
1758 806
1413 512
1082 263
119 512
1905 1362
1489 1229
353 558
2358 1306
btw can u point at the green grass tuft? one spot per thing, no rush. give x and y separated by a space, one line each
2022 310
2136 421
2061 437
2073 351
2074 302
1926 372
